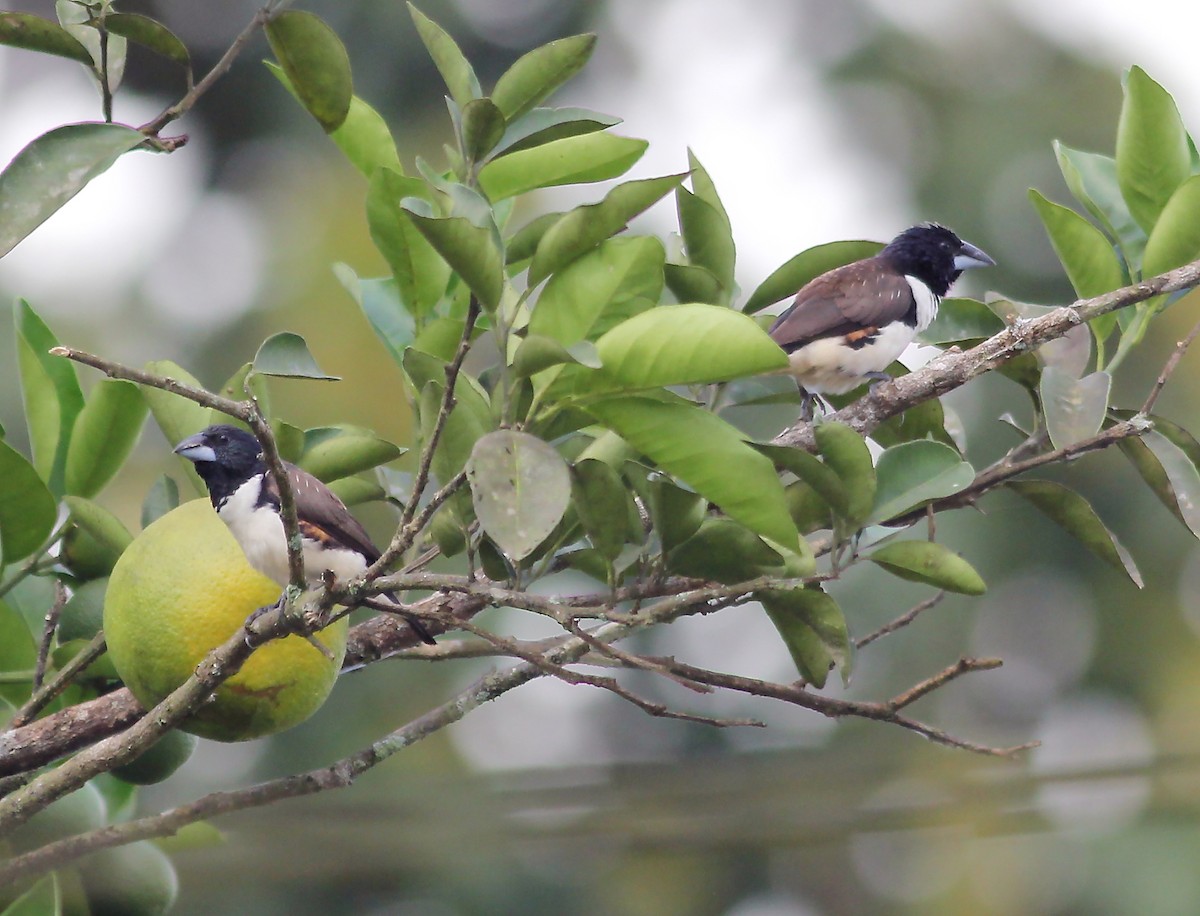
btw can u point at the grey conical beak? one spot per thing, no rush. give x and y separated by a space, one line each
969 256
194 448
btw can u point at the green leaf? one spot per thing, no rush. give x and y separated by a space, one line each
914 473
482 128
709 455
43 899
572 160
246 383
33 33
105 432
354 491
605 507
538 73
846 452
162 497
620 277
543 125
724 551
1075 514
316 64
582 229
806 507
1086 255
110 537
420 271
380 301
468 421
807 265
537 353
690 283
363 137
683 345
18 652
27 508
1074 407
707 234
470 250
1170 472
178 417
1175 239
333 452
962 319
520 487
1152 148
933 564
675 512
287 355
813 629
460 79
54 168
83 614
149 33
51 394
1092 178
821 477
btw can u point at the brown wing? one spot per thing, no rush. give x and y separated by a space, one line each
844 300
324 517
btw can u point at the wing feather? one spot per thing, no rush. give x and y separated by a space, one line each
318 508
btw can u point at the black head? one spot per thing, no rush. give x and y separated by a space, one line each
225 458
934 255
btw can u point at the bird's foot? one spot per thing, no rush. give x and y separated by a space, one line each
877 379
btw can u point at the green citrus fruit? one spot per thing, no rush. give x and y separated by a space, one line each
182 588
159 760
133 880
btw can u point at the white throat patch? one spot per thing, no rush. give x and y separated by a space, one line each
927 302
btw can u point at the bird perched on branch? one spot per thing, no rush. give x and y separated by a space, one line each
230 462
848 325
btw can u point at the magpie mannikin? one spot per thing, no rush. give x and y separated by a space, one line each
849 324
230 462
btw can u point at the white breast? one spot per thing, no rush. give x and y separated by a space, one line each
927 303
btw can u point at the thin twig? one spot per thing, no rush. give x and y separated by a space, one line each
900 622
941 679
1169 369
47 692
49 628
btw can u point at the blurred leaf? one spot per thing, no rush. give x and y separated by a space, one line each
1175 239
846 452
582 229
526 239
83 614
354 491
149 33
363 137
33 33
18 652
1152 148
470 250
807 265
520 487
448 532
162 497
1074 407
702 450
604 506
913 473
707 235
1170 472
544 125
676 513
79 20
683 345
333 452
821 477
1075 514
482 128
105 432
316 65
380 302
440 338
926 420
536 353
289 440
460 79
813 629
419 270
1086 255
619 276
1092 178
961 320
724 551
806 507
468 421
51 394
27 508
105 538
536 74
43 899
245 383
933 564
189 837
287 355
690 283
177 416
572 160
